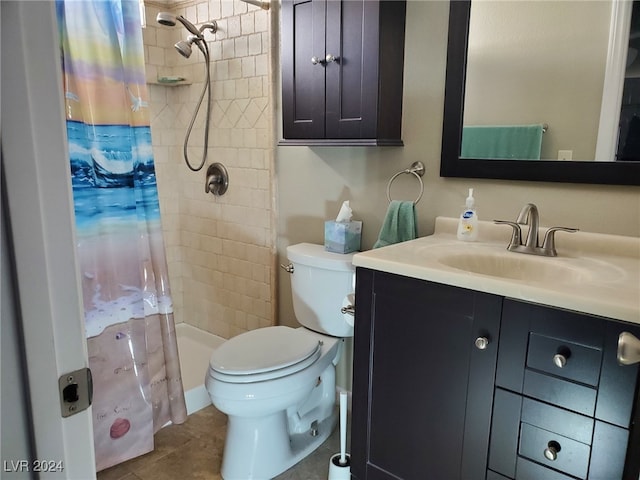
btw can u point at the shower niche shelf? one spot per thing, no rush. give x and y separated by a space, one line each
170 81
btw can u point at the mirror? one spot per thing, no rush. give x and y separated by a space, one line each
584 136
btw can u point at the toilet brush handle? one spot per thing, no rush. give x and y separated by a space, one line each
343 428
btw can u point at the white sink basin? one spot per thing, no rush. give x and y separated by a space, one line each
593 273
516 267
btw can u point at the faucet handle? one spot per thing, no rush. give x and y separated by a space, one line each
516 234
549 242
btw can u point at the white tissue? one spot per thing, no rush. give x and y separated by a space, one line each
345 213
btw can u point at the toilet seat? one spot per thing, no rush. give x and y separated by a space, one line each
264 354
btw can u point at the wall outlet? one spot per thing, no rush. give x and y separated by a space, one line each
565 154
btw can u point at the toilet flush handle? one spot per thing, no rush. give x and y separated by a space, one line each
287 268
349 310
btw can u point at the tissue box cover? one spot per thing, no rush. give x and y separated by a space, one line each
342 237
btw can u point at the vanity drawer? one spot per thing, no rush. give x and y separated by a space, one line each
523 427
564 359
553 450
547 417
531 335
527 470
562 393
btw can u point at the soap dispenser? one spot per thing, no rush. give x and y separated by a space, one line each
468 223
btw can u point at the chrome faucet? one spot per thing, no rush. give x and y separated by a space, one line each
529 216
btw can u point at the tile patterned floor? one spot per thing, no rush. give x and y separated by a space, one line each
193 450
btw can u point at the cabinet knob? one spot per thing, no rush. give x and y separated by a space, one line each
628 349
482 343
330 58
551 452
315 60
559 360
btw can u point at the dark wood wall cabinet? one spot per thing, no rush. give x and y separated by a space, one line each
451 383
342 71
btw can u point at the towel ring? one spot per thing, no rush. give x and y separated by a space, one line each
416 169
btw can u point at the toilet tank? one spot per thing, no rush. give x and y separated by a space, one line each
321 284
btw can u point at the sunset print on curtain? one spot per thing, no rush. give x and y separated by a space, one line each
127 302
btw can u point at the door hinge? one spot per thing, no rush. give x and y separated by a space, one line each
76 391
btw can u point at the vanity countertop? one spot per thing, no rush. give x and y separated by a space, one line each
593 273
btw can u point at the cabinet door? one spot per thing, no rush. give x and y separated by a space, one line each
303 81
422 392
352 79
364 83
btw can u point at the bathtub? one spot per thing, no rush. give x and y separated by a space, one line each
195 347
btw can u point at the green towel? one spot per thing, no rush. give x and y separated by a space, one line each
399 225
513 142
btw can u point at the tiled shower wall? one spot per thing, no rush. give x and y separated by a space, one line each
220 250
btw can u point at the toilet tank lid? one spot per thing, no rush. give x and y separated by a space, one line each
314 255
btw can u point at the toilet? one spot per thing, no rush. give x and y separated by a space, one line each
277 384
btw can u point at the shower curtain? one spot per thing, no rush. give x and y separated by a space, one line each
129 323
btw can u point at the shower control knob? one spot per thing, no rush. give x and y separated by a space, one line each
482 343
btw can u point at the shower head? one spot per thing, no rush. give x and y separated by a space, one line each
169 20
184 48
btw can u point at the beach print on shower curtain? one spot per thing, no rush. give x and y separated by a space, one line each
127 304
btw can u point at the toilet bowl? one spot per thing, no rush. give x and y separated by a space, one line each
277 384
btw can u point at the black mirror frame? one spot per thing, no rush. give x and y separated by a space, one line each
451 165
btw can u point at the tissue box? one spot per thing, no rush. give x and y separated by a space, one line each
342 237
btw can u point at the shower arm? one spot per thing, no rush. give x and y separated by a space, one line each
258 3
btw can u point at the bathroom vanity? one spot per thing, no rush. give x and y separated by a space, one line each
471 362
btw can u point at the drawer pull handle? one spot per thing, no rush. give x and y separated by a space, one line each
482 343
628 349
559 360
551 452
